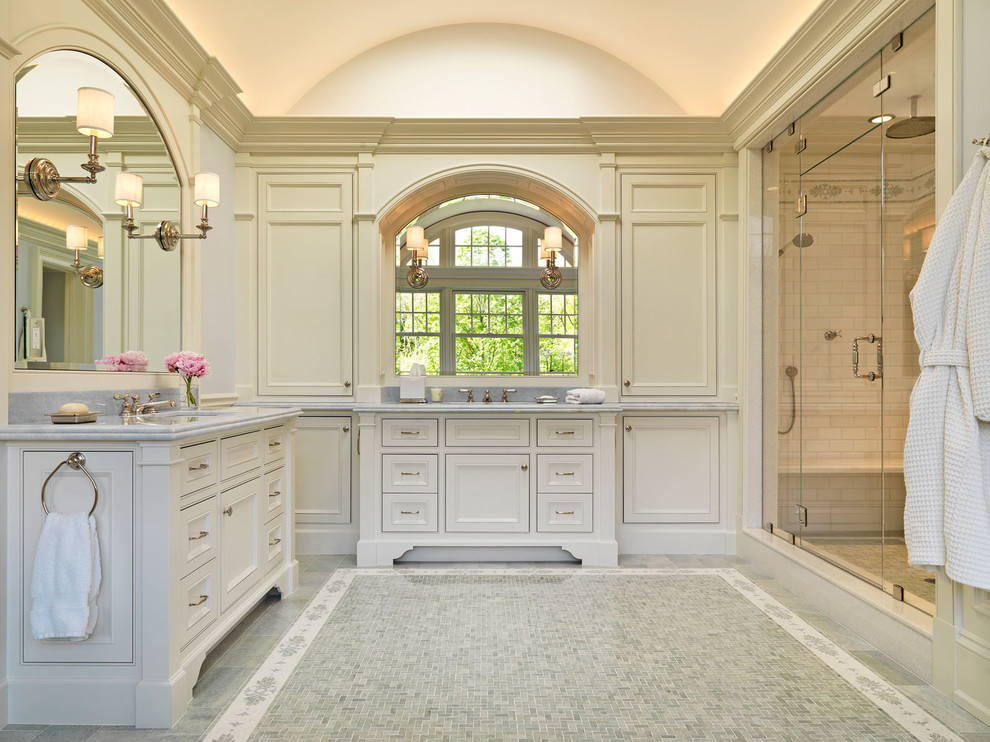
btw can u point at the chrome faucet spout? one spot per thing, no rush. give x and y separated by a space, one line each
152 407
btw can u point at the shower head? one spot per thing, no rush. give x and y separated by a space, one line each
916 126
805 239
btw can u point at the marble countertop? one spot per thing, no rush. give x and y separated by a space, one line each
436 408
167 426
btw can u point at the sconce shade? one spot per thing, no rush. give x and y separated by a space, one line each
76 238
99 247
94 113
129 189
552 239
206 190
422 252
414 238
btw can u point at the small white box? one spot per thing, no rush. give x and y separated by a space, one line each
412 389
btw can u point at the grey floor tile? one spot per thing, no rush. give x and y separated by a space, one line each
324 563
977 736
21 735
944 709
216 687
249 651
67 733
195 721
887 668
120 734
652 561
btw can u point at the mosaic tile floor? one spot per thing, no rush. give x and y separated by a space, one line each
864 552
235 662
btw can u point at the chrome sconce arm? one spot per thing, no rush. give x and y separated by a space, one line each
129 193
94 118
76 239
551 277
417 277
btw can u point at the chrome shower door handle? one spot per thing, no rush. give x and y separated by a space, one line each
871 375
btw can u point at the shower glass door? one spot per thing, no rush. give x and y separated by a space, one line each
848 213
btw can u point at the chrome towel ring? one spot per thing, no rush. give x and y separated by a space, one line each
77 462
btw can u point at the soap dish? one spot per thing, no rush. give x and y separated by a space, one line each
72 418
546 399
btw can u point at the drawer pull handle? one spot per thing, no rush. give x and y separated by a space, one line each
565 473
274 444
229 510
276 542
563 432
199 467
276 493
564 512
202 599
410 473
407 432
202 534
409 512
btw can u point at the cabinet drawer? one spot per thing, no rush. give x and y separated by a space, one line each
566 432
564 513
487 433
200 602
406 432
199 524
274 533
200 464
274 502
414 473
409 513
274 444
564 473
239 454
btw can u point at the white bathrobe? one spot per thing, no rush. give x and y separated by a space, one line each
947 448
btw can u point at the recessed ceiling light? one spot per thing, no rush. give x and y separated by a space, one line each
882 119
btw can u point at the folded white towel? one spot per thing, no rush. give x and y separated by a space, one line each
66 579
585 396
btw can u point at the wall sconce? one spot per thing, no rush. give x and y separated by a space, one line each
94 119
417 277
129 191
76 239
552 244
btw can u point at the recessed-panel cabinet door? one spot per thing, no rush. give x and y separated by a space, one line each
487 493
304 283
670 470
322 488
70 491
668 284
241 557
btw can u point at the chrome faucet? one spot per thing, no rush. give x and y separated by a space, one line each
506 393
469 392
130 402
152 405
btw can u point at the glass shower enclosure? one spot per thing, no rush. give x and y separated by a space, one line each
848 210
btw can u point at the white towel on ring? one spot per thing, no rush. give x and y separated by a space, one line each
66 579
585 396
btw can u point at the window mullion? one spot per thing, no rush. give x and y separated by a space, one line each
531 341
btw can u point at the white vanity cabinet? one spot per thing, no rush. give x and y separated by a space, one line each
496 478
194 523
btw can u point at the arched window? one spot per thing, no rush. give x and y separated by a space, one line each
484 311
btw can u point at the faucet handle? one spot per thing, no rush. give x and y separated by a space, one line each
506 393
469 392
152 396
488 396
128 400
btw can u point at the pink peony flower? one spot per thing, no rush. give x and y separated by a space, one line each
129 360
187 364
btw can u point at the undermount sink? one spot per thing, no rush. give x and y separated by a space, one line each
175 417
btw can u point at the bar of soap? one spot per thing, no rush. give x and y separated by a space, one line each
74 408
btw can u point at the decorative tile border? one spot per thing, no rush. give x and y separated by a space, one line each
245 712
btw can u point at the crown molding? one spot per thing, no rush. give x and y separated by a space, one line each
839 36
309 135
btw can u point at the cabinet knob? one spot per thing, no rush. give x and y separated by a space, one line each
202 599
629 428
627 383
229 510
525 467
347 384
347 429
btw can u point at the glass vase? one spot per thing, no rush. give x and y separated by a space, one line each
189 394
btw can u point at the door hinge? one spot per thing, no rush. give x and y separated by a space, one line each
897 42
770 146
801 146
881 86
801 207
802 514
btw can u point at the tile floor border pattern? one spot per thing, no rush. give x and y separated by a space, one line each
248 707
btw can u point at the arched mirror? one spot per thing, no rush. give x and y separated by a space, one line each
82 292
